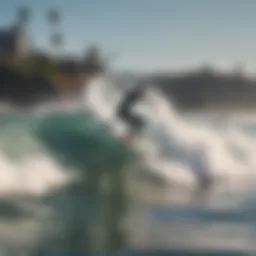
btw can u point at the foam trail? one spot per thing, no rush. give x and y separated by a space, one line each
34 175
173 146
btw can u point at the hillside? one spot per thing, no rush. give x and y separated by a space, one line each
206 89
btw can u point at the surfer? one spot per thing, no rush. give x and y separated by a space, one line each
135 121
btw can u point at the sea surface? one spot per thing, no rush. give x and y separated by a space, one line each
71 186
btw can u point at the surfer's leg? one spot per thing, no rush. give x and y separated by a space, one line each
137 123
134 122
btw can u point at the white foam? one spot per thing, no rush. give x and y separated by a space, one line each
172 144
33 175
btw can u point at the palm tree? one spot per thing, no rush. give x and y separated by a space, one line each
54 19
23 16
57 39
93 60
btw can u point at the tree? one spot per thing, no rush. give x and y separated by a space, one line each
57 39
93 60
54 19
23 15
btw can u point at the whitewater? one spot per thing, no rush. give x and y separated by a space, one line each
48 155
180 151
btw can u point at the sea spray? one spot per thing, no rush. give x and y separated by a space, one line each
174 142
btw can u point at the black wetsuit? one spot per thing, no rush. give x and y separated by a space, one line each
125 113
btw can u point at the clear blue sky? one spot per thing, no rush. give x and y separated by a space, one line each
152 34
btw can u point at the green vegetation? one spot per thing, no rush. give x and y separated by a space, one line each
65 74
54 70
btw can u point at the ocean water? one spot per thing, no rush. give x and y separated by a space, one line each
71 186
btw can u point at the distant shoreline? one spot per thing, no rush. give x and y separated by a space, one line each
208 90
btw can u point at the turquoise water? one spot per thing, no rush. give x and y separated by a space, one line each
77 217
